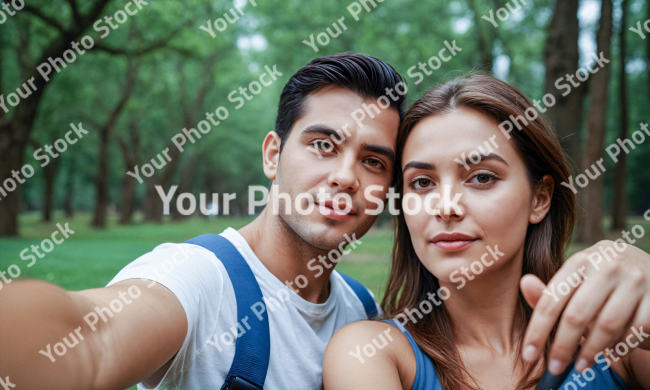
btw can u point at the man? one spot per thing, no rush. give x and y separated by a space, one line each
169 319
171 315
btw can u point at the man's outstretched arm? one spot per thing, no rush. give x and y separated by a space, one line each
106 338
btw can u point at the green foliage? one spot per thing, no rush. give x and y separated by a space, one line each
402 32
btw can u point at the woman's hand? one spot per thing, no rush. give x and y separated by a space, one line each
601 293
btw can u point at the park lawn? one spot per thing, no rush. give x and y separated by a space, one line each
90 258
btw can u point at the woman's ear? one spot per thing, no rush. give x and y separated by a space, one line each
542 200
271 154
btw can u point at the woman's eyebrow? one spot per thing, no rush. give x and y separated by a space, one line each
482 157
419 165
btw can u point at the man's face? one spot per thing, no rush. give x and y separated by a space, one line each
311 161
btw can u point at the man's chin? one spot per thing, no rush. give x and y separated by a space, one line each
326 233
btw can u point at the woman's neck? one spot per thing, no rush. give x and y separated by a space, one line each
485 312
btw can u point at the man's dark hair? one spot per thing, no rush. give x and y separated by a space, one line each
364 75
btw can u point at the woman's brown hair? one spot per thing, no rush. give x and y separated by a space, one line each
545 243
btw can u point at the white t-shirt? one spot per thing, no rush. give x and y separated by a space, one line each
300 330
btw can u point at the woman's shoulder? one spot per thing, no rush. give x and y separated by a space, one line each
381 337
369 354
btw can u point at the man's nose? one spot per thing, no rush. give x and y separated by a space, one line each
344 175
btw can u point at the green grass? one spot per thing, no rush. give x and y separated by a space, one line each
90 258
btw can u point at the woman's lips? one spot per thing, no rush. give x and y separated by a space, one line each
452 241
453 245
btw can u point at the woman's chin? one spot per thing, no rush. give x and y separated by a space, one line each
445 269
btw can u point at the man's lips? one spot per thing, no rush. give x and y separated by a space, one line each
452 241
327 209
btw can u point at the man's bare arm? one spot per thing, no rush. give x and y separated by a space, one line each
145 331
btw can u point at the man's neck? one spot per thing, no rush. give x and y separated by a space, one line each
286 255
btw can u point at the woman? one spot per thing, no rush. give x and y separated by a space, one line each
456 271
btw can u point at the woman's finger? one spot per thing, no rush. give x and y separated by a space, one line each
532 289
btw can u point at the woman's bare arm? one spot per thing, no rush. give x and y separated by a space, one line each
348 366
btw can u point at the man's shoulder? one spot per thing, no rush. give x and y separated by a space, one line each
351 296
181 261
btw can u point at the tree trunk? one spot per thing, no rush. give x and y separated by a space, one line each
14 138
102 176
187 179
69 192
619 201
131 157
561 57
592 195
127 201
101 182
153 207
15 133
12 160
49 174
484 44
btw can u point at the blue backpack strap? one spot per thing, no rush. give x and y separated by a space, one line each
363 294
252 351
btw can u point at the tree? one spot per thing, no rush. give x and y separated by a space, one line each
188 175
105 129
592 195
15 132
153 210
131 154
483 39
69 190
561 57
49 174
619 201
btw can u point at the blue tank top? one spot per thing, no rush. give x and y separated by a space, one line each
599 377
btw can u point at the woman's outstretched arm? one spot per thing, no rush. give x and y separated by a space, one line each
369 355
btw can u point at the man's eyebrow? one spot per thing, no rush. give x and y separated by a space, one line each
419 165
325 130
383 150
483 157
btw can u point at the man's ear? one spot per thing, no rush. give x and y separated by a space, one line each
271 154
542 200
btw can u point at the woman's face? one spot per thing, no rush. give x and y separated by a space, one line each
494 197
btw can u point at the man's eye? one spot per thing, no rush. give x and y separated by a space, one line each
373 162
323 145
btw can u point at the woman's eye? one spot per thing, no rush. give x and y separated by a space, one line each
483 178
422 183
